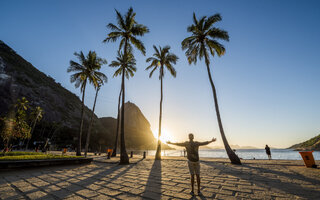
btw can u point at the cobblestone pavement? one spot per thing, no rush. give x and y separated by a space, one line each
166 179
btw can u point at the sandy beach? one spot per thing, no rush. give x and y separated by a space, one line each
166 179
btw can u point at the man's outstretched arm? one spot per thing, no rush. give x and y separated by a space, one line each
183 144
207 142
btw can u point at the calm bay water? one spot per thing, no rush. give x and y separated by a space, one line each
285 154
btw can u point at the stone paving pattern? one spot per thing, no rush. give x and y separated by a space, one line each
166 179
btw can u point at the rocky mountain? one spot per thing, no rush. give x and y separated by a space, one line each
311 144
138 134
19 78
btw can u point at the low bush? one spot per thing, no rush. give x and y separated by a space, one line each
36 157
19 153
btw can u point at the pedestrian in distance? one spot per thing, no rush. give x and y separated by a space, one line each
192 148
268 152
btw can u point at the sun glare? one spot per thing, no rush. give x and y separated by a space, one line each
165 135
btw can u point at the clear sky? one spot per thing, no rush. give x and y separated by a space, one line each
268 81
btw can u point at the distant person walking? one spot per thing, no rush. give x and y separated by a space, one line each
192 148
268 152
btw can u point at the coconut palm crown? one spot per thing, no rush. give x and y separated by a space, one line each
126 63
86 70
127 29
162 57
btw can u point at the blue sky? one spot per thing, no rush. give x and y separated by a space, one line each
267 82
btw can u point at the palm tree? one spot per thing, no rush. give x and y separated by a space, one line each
114 152
204 40
162 57
126 68
126 29
97 86
86 70
36 116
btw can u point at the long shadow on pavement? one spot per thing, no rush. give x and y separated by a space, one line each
264 181
153 186
91 179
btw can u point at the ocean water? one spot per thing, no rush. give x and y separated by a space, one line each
283 154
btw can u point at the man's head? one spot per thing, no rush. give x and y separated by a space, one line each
191 136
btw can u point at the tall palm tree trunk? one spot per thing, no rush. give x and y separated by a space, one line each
232 156
33 126
158 153
81 123
124 159
91 123
114 152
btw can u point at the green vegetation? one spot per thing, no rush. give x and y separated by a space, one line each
162 57
86 70
23 155
19 153
311 142
36 157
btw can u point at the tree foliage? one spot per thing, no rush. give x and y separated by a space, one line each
162 57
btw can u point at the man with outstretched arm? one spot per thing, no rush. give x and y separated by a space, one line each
192 148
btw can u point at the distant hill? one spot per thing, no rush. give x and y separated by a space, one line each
311 144
138 134
60 123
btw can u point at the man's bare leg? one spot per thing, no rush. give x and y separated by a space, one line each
198 182
192 183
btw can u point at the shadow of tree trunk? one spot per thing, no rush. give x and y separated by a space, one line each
153 186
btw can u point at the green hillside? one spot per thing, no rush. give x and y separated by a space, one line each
311 144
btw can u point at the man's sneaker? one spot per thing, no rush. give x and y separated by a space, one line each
192 193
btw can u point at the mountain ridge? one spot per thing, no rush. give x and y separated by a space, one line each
312 144
62 108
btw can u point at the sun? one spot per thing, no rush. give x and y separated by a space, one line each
165 135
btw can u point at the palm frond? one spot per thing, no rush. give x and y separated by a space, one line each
154 69
216 33
186 43
211 20
154 63
195 21
150 59
219 48
138 44
74 66
117 72
129 18
101 76
157 54
74 77
113 27
120 20
115 64
171 69
200 25
139 30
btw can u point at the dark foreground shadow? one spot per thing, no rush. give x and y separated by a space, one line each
153 186
87 179
257 178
